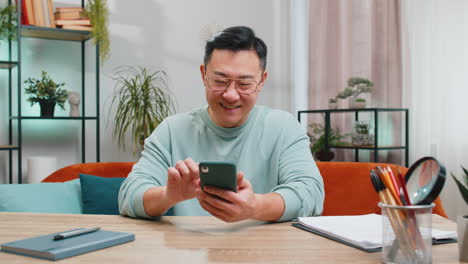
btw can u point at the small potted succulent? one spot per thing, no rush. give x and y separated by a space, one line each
462 221
47 93
332 103
362 135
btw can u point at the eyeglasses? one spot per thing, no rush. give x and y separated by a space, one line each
220 84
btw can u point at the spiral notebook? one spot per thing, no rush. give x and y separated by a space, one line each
46 248
363 232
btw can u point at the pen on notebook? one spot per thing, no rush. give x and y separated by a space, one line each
75 233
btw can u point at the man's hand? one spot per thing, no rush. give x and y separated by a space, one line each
245 204
182 181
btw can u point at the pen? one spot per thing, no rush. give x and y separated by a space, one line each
75 233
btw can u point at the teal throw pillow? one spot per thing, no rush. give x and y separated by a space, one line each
100 194
54 197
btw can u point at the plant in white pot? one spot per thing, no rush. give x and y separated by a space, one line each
332 103
462 221
356 86
143 100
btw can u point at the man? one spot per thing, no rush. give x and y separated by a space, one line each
278 179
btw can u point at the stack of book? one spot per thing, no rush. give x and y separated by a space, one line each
72 18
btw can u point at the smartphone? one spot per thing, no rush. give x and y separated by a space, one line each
218 173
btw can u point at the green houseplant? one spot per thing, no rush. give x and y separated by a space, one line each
98 14
8 17
462 221
143 101
318 141
47 93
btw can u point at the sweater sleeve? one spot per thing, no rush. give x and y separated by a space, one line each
150 171
300 182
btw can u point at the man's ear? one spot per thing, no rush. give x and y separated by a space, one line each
203 72
262 82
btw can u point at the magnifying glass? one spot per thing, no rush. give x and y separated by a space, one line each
424 180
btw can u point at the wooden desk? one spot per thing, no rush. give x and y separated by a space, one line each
186 239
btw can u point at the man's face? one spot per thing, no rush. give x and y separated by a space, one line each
230 108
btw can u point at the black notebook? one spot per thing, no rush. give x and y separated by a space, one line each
363 232
47 248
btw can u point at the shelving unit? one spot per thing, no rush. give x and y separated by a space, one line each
15 142
376 147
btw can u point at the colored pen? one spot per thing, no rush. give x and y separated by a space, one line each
75 233
385 178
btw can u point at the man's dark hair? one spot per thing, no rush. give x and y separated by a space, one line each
237 39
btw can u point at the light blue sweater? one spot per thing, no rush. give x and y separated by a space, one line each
270 148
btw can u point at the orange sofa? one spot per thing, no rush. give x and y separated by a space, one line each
348 189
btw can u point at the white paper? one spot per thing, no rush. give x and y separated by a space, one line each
363 230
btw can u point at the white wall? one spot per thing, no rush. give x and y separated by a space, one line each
159 34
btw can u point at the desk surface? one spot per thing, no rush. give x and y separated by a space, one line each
187 239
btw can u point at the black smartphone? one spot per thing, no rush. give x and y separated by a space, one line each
218 173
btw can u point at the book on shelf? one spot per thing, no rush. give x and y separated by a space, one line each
38 13
50 13
46 247
363 232
77 22
28 12
69 9
77 27
67 13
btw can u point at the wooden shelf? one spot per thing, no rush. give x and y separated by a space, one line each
371 147
55 117
7 64
54 33
8 147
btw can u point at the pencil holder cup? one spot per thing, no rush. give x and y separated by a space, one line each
406 233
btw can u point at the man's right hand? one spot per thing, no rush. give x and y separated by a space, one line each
182 181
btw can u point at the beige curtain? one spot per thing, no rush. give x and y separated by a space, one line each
357 38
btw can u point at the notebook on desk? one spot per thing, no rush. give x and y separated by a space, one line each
47 248
363 232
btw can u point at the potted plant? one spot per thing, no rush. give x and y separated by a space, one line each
332 103
318 141
8 17
98 14
47 93
143 101
356 86
359 103
462 221
362 135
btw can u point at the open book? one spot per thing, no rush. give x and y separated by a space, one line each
359 231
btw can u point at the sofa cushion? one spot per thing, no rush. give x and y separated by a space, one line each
42 197
100 194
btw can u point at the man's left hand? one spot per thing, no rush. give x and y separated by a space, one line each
228 205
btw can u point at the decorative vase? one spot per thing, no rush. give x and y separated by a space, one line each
47 108
332 105
462 232
74 100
